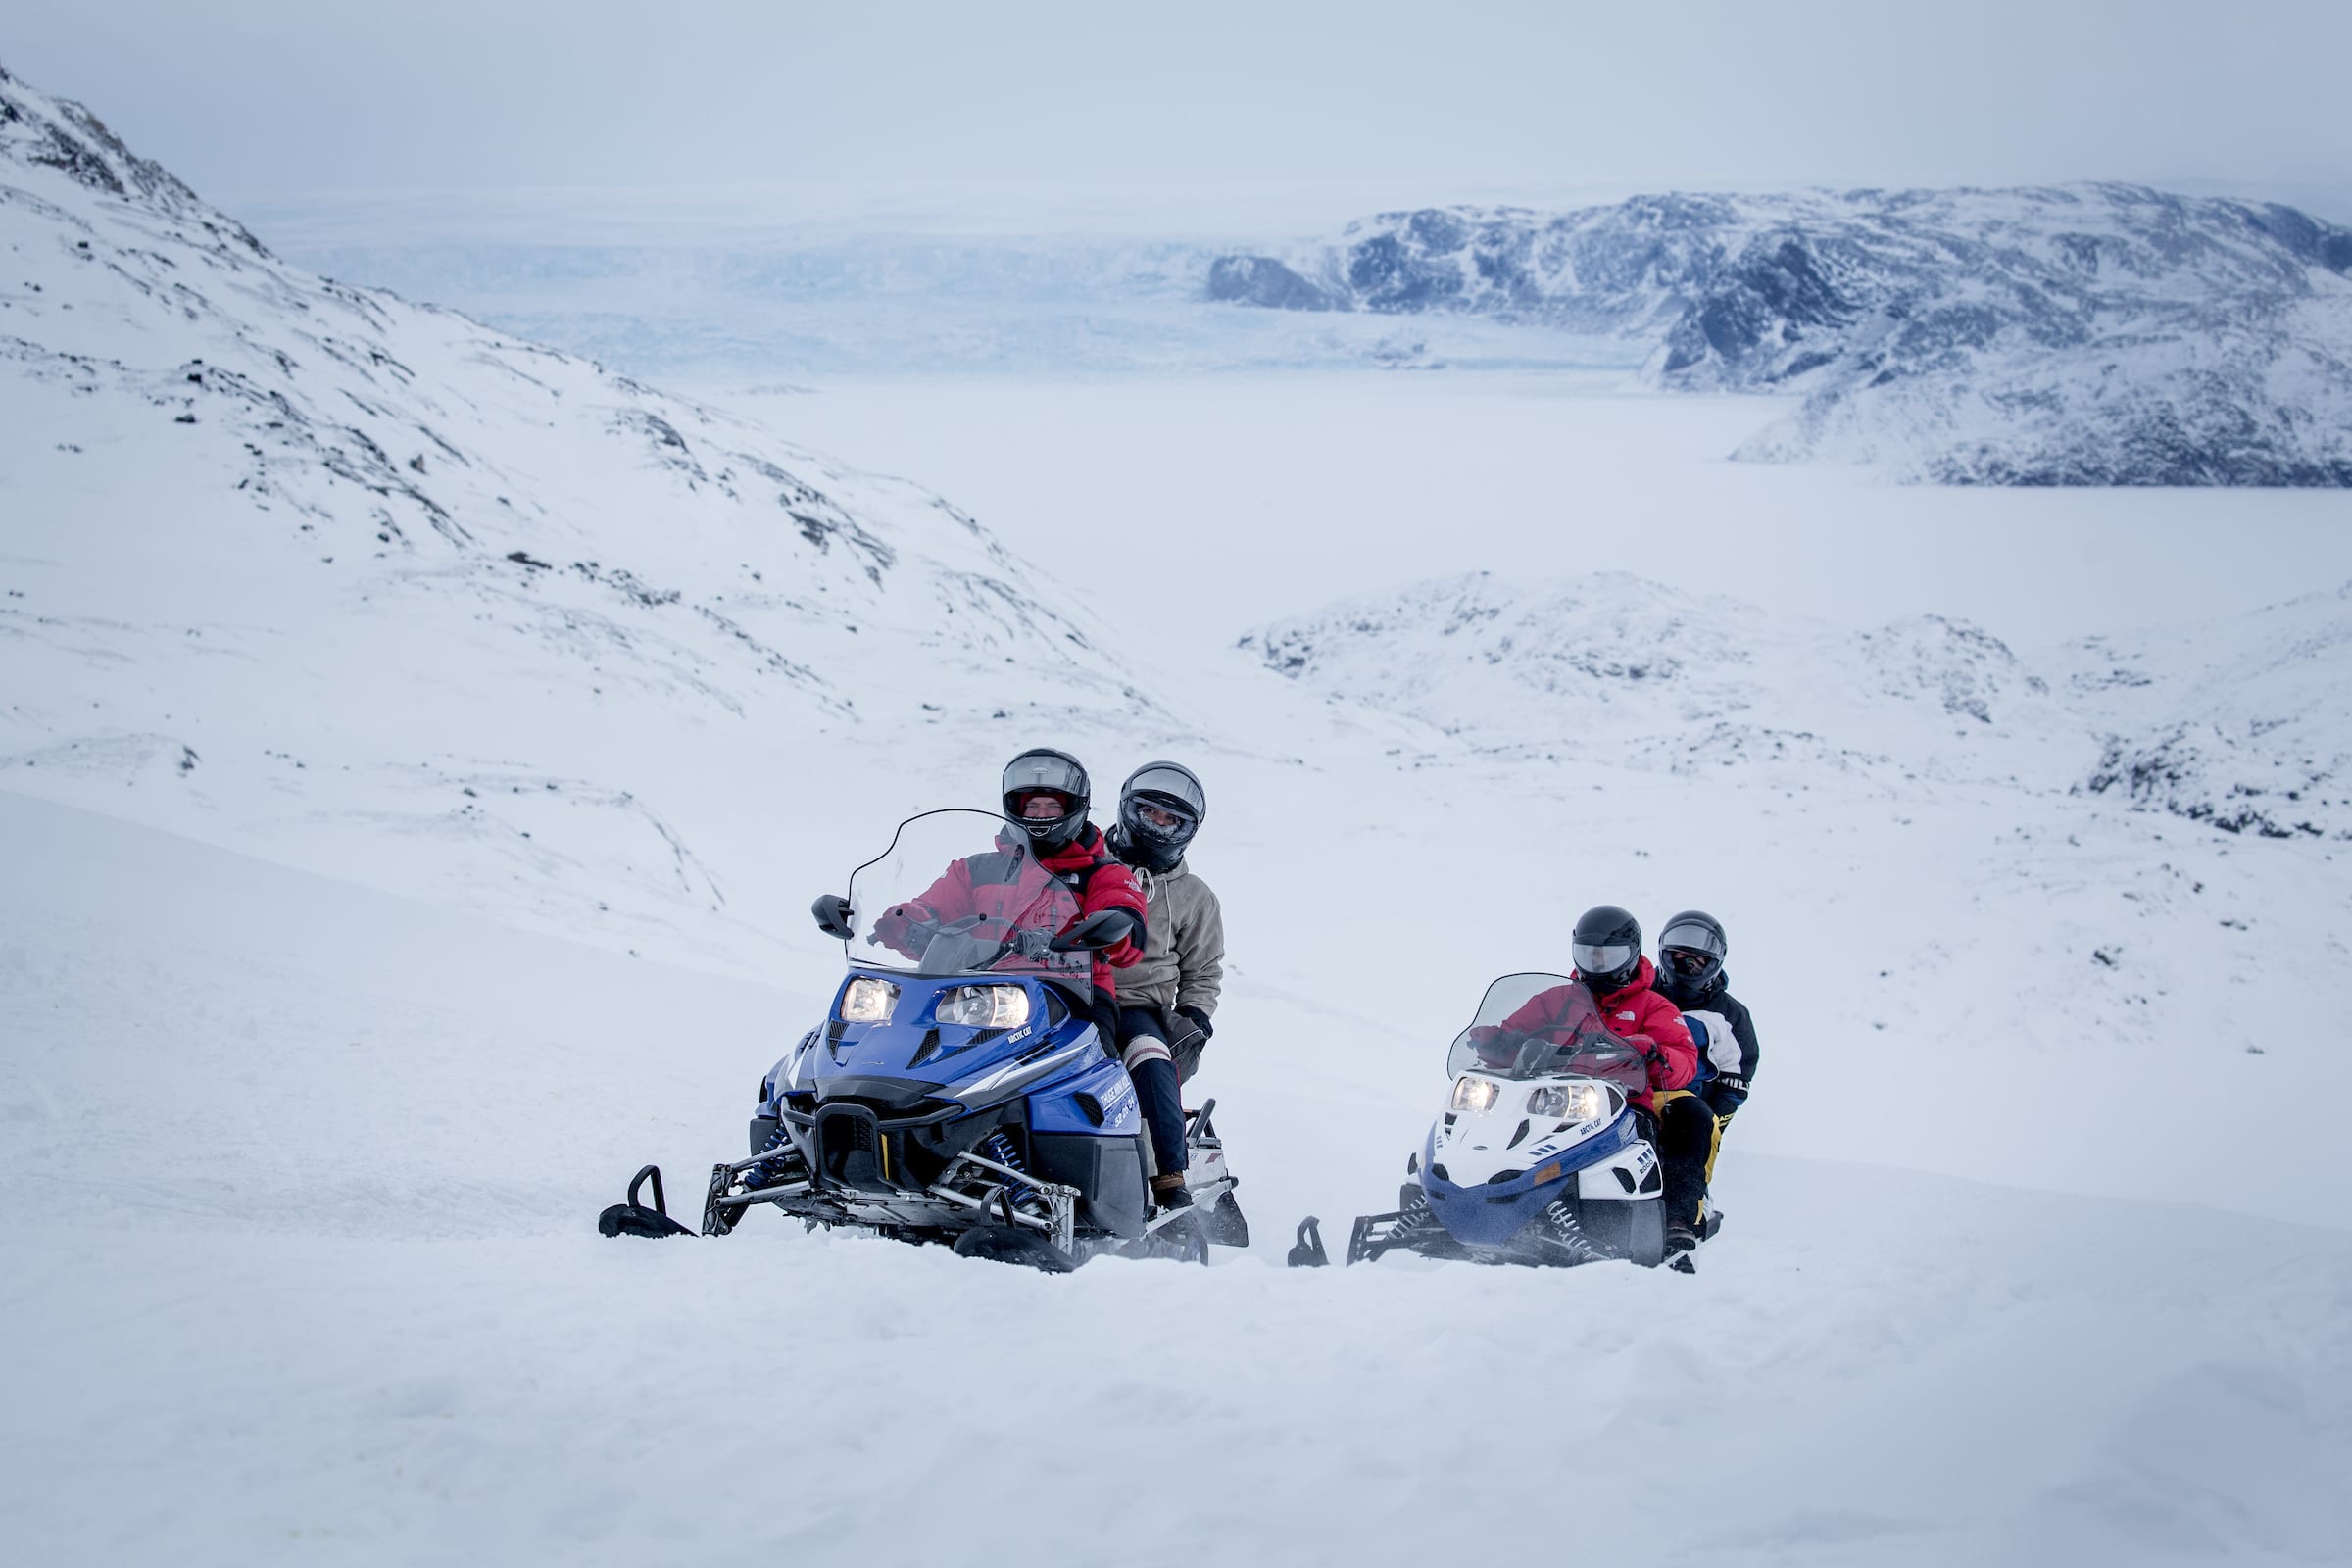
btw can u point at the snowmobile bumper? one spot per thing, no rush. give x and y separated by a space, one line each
1558 1237
1415 1229
973 1190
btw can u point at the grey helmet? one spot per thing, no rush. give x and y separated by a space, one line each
1041 768
1154 794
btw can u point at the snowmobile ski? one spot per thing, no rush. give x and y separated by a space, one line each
629 1217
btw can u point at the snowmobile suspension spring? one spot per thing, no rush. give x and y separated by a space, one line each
999 1149
768 1172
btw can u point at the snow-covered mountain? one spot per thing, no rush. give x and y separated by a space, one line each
260 531
2089 334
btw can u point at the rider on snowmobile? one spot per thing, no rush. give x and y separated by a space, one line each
1691 948
1606 945
1165 1004
1046 793
1690 954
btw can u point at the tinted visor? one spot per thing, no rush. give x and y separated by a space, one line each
1604 959
1689 963
1690 934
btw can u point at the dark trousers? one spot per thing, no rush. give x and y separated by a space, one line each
1686 1145
1157 1089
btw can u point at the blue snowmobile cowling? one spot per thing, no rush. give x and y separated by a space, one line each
933 1087
1539 1157
959 1090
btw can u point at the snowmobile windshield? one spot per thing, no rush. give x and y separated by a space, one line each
1544 1026
960 893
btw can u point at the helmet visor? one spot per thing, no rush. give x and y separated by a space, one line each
1688 962
1039 806
1045 770
1602 958
1175 787
1691 934
1163 819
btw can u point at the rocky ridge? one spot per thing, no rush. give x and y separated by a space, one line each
2088 334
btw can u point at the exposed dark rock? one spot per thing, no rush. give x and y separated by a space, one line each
2097 334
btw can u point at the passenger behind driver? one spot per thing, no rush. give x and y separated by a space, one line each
1166 1000
1692 949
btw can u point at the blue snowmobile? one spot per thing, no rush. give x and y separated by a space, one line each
1539 1157
957 1090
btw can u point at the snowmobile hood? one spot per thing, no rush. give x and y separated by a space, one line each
912 1053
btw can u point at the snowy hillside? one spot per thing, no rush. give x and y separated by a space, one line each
2244 724
366 586
1519 670
2094 334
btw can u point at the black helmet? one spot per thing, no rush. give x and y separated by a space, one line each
1690 954
1607 946
1042 770
1154 794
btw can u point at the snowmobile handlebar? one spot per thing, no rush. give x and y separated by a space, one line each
1103 929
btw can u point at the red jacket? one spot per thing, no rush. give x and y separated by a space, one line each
1009 885
1635 1014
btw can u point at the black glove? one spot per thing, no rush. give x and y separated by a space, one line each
1199 1020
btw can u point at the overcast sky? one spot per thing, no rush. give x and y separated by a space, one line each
255 99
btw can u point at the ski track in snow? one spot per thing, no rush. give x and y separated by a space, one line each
369 919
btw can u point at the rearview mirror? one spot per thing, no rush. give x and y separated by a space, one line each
832 913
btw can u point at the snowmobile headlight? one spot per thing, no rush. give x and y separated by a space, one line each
868 1001
985 1006
1568 1101
1475 1093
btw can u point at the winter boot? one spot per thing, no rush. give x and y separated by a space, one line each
1169 1191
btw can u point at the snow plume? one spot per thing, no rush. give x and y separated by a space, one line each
265 531
2092 334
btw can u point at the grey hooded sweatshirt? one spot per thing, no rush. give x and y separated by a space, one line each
1184 954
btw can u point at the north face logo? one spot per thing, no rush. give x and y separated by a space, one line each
1627 1016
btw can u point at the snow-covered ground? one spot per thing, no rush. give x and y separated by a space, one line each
367 921
303 1273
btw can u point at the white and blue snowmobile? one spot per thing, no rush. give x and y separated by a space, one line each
1539 1157
959 1090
